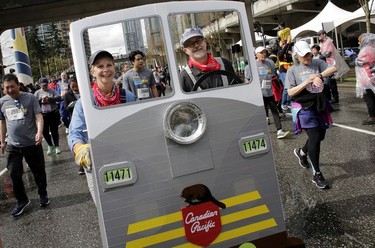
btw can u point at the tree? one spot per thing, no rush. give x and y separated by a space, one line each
367 7
36 49
55 45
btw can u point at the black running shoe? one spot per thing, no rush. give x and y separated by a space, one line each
44 201
303 162
319 181
18 209
81 171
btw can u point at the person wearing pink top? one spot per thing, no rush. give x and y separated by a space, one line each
327 49
365 73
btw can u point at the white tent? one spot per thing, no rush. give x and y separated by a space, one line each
355 17
328 14
259 37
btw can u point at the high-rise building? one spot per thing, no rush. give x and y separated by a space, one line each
133 36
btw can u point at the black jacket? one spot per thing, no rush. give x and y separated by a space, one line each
68 98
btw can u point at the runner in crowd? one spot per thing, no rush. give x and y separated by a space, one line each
200 62
139 80
266 71
365 73
22 119
310 106
49 101
105 93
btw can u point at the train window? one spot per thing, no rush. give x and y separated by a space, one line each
138 50
208 48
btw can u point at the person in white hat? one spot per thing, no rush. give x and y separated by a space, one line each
201 62
310 106
266 71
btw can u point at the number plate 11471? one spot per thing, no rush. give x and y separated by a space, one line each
117 175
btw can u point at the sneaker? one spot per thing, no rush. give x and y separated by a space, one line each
369 121
44 201
281 134
284 107
18 209
58 151
49 150
319 181
268 121
66 130
303 162
81 171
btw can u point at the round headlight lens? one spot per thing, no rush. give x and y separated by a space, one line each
185 123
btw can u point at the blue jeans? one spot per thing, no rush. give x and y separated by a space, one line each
35 159
65 115
285 101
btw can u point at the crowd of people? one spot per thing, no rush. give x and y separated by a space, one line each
293 78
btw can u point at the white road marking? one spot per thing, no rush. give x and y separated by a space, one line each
3 171
354 129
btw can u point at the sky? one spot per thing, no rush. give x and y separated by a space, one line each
108 38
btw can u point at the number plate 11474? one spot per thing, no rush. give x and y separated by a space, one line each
254 145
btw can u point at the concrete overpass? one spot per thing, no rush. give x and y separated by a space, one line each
20 13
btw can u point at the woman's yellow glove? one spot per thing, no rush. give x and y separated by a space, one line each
82 156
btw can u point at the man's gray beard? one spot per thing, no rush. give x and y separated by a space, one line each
199 54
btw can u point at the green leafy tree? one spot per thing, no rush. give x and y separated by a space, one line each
36 48
55 47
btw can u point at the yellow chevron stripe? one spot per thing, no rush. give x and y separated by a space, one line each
179 232
177 216
156 239
234 233
154 222
240 199
244 214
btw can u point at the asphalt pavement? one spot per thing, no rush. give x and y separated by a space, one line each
342 216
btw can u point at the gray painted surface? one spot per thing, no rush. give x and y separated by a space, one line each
340 217
164 168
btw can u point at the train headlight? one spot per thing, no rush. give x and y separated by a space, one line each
185 123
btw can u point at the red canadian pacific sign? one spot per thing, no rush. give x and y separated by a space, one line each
202 223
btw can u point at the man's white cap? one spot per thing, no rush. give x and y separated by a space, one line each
259 49
301 48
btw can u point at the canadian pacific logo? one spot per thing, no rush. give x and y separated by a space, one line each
202 223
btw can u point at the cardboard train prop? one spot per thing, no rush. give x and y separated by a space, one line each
188 169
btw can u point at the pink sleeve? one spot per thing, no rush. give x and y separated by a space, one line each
330 46
366 56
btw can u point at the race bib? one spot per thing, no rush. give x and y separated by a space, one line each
14 114
143 93
262 71
137 81
266 84
46 108
313 89
310 88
